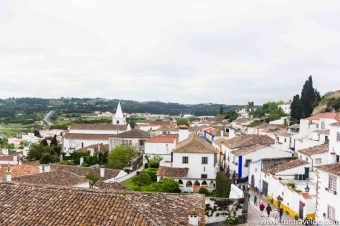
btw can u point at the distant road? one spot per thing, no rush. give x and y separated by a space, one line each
47 118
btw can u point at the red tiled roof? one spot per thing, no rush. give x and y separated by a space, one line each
245 140
195 144
23 204
83 136
19 170
172 172
285 166
319 149
6 158
97 126
330 115
333 168
162 139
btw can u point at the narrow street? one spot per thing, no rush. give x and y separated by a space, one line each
254 213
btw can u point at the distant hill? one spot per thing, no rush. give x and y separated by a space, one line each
329 102
32 109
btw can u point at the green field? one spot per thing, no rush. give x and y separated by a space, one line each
11 129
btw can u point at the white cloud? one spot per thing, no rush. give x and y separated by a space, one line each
184 51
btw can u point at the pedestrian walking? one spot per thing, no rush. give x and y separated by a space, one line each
255 200
275 214
269 209
262 208
281 214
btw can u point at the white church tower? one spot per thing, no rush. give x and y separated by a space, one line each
119 118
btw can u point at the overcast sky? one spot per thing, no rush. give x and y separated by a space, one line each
186 51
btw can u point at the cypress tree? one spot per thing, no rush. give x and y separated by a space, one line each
308 98
295 108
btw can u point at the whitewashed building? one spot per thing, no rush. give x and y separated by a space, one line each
328 197
316 155
334 143
161 146
82 135
193 165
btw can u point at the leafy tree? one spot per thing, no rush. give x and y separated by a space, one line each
296 108
166 185
121 156
309 97
142 179
44 143
36 152
47 158
36 133
223 184
92 179
231 115
154 162
255 123
183 121
54 141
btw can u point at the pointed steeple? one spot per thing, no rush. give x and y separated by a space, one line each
119 118
119 112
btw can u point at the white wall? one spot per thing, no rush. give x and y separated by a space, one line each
323 157
327 198
77 144
196 168
162 149
334 146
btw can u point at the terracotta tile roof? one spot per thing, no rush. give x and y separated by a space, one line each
134 133
270 126
322 131
333 168
319 149
248 150
83 136
215 132
44 205
162 123
6 158
110 186
162 139
329 115
98 126
245 140
285 166
295 126
336 124
65 175
96 147
282 133
172 172
167 129
82 171
59 178
220 141
195 144
18 170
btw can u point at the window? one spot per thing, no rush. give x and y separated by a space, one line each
331 213
338 136
322 125
332 183
204 176
204 160
318 161
185 159
247 163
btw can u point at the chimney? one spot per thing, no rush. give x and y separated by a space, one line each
47 168
9 174
40 169
98 147
231 133
102 172
81 160
222 133
193 220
